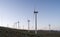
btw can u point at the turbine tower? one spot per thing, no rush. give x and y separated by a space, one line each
28 25
49 27
18 24
35 12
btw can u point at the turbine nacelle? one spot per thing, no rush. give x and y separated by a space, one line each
35 11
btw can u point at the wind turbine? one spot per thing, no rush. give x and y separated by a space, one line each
28 25
35 13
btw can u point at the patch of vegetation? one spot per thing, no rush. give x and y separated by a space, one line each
8 32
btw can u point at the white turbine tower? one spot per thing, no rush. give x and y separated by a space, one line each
35 12
49 27
18 24
28 25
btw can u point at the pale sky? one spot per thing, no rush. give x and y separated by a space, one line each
13 10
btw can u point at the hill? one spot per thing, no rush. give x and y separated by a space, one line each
9 32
